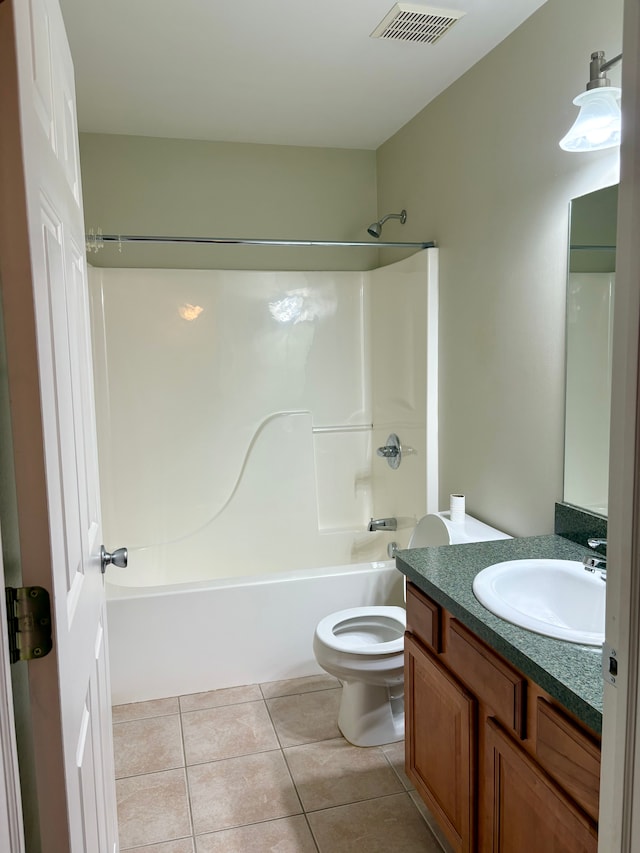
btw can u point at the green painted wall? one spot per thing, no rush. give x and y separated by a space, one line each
480 170
143 185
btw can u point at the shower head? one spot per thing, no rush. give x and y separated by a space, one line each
375 229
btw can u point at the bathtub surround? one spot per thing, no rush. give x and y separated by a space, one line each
254 402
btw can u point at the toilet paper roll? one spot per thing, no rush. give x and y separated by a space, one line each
456 508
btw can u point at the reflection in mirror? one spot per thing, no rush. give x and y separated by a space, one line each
590 290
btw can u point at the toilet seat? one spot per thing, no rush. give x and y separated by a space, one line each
364 630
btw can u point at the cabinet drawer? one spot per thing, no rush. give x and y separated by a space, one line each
569 755
492 680
424 618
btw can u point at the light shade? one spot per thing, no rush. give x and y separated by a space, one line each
598 122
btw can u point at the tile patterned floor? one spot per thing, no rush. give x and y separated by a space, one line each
258 769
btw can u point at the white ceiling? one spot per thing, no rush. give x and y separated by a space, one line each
291 72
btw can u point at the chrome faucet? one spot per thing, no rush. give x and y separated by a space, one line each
596 564
383 524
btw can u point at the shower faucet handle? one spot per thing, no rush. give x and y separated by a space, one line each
392 451
387 451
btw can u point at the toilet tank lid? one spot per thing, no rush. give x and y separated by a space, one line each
438 529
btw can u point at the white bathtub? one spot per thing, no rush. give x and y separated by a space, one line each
176 639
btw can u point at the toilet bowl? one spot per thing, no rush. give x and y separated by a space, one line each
364 648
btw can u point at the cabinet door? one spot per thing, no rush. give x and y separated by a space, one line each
440 740
525 811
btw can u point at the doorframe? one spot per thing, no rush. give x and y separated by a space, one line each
619 828
11 823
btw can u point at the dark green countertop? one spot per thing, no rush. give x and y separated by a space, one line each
568 672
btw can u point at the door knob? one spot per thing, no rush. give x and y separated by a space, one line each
119 558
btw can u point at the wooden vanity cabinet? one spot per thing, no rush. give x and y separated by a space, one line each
501 766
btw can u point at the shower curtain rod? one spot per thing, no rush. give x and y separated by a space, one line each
94 241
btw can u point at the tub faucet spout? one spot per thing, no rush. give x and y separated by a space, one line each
383 524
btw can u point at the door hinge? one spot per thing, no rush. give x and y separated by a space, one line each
610 664
29 622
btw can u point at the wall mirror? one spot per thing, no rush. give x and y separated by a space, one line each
590 295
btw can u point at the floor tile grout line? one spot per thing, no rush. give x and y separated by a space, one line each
357 802
142 847
220 707
187 783
364 800
428 823
275 728
144 719
295 787
293 781
303 692
404 781
151 772
312 833
233 757
263 822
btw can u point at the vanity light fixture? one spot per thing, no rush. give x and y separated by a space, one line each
598 122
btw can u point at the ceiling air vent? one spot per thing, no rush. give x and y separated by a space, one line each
410 22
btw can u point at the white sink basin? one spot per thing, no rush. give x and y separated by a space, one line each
557 598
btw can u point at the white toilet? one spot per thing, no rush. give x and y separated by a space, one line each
364 646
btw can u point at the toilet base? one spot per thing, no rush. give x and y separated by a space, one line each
370 714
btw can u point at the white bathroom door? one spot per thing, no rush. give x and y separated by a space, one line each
45 305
